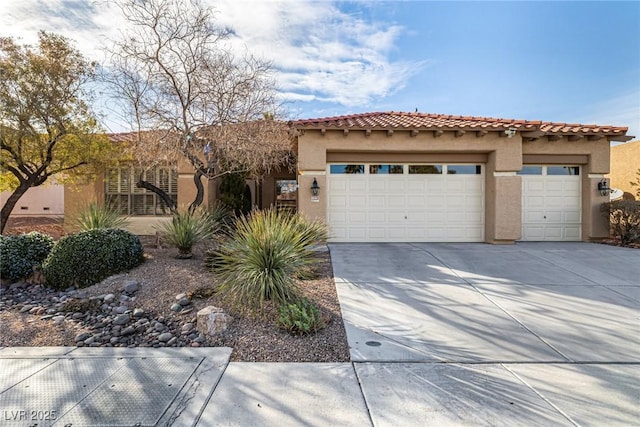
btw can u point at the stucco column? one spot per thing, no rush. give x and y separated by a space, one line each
594 225
503 195
312 163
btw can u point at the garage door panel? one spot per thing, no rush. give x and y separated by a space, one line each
551 207
572 217
405 207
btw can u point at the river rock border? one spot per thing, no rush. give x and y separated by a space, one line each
109 320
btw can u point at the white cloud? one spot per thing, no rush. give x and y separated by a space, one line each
319 52
622 110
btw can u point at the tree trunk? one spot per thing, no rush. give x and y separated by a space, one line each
197 179
11 203
166 198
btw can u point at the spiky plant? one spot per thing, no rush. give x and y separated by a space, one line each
263 255
186 229
95 216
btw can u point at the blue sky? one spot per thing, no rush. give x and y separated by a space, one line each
555 61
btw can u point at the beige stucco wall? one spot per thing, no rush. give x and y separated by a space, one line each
503 158
625 162
77 196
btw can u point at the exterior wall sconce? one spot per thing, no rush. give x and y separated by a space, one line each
315 188
603 188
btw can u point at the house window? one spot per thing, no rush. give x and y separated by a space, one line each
530 170
286 194
386 169
123 195
425 169
464 169
563 170
346 169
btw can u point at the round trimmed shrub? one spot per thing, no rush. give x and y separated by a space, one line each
20 253
86 258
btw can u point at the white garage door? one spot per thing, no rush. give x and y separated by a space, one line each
551 203
405 203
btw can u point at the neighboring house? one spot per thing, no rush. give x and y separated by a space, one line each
625 162
44 200
412 177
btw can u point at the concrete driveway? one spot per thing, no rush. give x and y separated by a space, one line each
536 333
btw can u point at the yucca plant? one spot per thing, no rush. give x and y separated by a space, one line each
186 229
95 216
262 256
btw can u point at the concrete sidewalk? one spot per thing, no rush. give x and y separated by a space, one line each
441 335
186 387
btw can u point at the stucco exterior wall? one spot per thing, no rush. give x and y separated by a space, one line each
503 157
45 200
625 162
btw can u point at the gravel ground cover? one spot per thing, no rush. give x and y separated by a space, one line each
155 305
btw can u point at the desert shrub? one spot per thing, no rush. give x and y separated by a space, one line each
95 216
262 256
188 228
300 317
624 217
19 254
87 257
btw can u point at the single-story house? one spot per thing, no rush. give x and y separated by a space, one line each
414 177
404 177
625 163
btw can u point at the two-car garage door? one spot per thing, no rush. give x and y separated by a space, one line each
405 202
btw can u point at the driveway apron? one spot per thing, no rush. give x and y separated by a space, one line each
535 333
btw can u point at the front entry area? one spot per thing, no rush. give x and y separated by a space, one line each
405 202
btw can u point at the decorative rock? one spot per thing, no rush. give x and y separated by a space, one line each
121 309
128 331
212 320
109 298
186 310
176 307
122 319
130 286
172 341
114 340
159 327
195 344
187 327
180 296
184 302
138 312
89 341
165 337
26 308
82 336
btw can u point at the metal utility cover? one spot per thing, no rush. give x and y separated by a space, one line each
137 394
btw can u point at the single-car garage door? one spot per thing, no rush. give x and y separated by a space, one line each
405 202
551 203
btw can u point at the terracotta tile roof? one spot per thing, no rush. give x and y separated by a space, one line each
418 121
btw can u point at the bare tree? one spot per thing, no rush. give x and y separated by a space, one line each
174 72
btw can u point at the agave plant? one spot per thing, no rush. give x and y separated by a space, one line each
262 256
95 216
186 229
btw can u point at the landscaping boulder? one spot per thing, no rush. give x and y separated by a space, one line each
212 321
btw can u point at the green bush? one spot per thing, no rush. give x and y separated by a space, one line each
260 259
300 317
87 257
188 228
19 254
95 216
624 217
